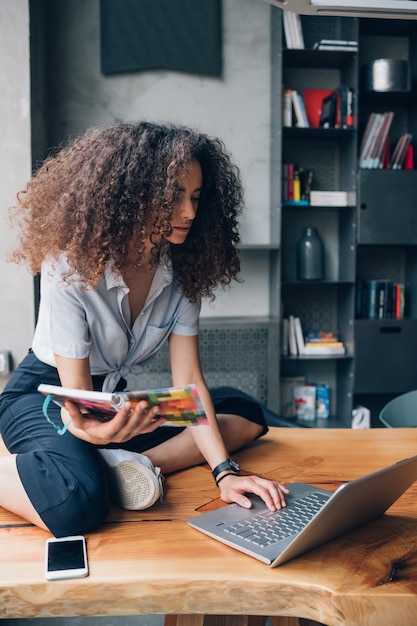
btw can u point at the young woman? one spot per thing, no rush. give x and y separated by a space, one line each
129 227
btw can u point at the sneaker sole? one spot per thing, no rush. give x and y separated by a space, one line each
132 487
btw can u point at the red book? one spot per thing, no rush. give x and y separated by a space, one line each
399 301
409 159
290 182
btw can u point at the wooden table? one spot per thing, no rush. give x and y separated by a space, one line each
152 562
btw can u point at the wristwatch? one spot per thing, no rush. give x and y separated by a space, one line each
229 464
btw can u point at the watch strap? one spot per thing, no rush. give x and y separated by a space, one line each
229 464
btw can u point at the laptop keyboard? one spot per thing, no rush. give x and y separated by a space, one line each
266 529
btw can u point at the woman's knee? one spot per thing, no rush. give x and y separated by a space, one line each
81 513
69 495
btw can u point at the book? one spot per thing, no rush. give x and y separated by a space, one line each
303 111
400 151
378 154
318 349
299 115
287 108
293 30
180 406
321 336
284 337
409 158
299 338
332 198
335 47
327 344
371 128
336 44
292 342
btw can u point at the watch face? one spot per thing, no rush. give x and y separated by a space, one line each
234 466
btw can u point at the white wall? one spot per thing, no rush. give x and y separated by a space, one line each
235 107
16 284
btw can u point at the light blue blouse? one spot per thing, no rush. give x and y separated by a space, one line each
76 323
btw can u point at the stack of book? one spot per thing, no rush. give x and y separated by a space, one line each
336 44
296 184
402 155
375 149
375 144
337 108
332 198
315 343
323 343
294 109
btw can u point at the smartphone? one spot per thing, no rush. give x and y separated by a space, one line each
66 557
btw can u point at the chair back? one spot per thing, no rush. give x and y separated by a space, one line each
401 412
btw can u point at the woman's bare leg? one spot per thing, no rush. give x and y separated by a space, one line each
181 451
13 497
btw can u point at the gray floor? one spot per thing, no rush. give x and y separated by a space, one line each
140 620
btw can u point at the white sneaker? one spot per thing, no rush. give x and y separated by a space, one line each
134 483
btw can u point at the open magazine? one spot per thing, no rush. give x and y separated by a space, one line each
180 406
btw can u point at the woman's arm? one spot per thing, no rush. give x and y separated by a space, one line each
186 369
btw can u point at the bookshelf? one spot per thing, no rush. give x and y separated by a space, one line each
331 153
387 239
373 236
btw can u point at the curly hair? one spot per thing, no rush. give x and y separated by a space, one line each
114 187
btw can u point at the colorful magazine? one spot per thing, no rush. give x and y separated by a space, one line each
180 406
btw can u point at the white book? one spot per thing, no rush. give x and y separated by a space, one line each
299 337
303 111
338 48
366 139
337 42
332 198
298 31
287 118
288 29
318 350
366 149
292 342
297 109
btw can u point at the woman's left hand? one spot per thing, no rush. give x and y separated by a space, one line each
233 489
126 424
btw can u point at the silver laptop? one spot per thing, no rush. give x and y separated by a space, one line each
312 517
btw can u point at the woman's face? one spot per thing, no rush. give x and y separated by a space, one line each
185 209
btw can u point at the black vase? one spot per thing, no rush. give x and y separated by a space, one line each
310 256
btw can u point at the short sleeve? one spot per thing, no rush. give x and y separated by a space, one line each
62 327
187 322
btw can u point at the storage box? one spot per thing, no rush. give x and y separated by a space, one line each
305 402
288 383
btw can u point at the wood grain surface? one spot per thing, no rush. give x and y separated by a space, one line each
152 562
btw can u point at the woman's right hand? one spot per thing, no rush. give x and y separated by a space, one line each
125 425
